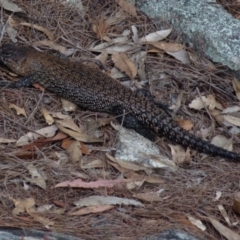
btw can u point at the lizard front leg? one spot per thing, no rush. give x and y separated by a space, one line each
23 82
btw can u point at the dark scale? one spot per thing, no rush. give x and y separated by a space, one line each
91 89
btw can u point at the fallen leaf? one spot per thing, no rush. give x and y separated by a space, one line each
181 55
179 155
75 152
101 28
20 111
55 46
226 232
92 209
222 142
224 214
11 32
69 127
39 28
116 73
68 106
236 87
94 164
134 184
232 120
21 205
36 178
127 165
185 124
59 115
30 136
127 7
40 143
122 62
231 109
148 197
209 101
156 36
6 140
135 34
100 200
79 183
218 195
103 56
9 6
168 47
197 223
48 118
139 59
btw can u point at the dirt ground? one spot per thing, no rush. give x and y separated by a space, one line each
189 192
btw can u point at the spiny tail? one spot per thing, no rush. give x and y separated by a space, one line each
167 128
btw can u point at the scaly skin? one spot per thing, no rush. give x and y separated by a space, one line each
93 90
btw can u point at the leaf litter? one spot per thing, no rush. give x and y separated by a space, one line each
164 65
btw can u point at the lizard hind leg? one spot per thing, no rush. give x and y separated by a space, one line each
131 122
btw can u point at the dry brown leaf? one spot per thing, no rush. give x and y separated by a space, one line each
168 47
185 124
94 164
6 140
68 106
100 27
55 46
75 152
59 115
22 205
209 101
48 118
127 165
135 34
156 36
11 32
179 155
122 62
149 197
181 55
236 87
197 223
66 142
39 28
127 7
9 6
226 232
224 214
20 111
222 142
40 143
36 178
79 183
103 56
30 136
201 61
96 200
69 127
44 221
92 209
232 120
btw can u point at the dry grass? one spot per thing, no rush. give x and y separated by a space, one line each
188 191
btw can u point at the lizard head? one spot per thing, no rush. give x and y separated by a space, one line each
15 58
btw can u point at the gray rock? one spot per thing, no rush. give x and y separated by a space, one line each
132 147
203 24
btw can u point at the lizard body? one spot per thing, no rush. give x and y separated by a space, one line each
91 89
